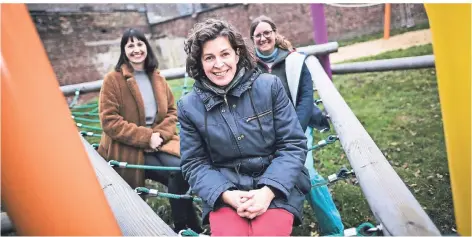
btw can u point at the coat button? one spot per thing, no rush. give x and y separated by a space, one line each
242 136
234 106
239 138
222 111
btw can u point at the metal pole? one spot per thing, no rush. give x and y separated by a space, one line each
178 73
387 21
320 33
416 62
390 200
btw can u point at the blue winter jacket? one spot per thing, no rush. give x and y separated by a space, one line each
245 140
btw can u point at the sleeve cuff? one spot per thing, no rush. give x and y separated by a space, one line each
281 192
165 135
217 193
147 138
277 193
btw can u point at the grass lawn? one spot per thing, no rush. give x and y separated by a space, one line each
401 112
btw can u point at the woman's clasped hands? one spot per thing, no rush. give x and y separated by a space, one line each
249 204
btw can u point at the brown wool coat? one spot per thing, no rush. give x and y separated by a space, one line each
125 135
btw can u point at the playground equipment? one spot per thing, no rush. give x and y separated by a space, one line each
177 73
61 183
402 215
75 179
6 225
134 216
405 63
387 21
451 31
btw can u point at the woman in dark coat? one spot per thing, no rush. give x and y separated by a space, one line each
276 55
242 147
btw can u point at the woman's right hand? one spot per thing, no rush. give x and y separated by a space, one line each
155 141
235 198
258 205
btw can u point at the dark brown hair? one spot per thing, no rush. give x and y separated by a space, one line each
211 29
150 63
280 40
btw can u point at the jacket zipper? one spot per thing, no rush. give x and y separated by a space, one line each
226 101
227 122
258 116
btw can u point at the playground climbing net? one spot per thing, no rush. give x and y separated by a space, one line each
83 118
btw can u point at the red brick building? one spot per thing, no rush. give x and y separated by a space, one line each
82 40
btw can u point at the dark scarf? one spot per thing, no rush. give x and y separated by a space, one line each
224 90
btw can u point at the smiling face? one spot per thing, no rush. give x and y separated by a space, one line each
219 61
136 52
264 38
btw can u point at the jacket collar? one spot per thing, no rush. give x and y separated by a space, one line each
127 71
157 82
281 56
210 99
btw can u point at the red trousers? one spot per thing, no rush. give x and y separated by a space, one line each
274 222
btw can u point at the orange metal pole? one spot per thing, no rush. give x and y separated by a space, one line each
48 184
387 21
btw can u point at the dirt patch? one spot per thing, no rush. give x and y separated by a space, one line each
375 47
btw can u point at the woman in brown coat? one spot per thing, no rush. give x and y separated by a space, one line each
138 117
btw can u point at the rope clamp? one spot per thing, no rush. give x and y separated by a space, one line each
332 178
332 138
350 232
137 191
344 172
153 192
376 229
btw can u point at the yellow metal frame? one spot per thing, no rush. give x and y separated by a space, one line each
451 33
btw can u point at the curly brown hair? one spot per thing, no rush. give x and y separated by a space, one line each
280 40
211 29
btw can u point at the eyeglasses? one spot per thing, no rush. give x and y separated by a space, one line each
266 34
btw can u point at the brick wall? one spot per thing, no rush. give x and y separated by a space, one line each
294 20
346 23
84 46
241 16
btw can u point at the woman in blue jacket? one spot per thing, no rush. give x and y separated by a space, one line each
277 56
242 150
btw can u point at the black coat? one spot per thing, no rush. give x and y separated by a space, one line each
304 104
